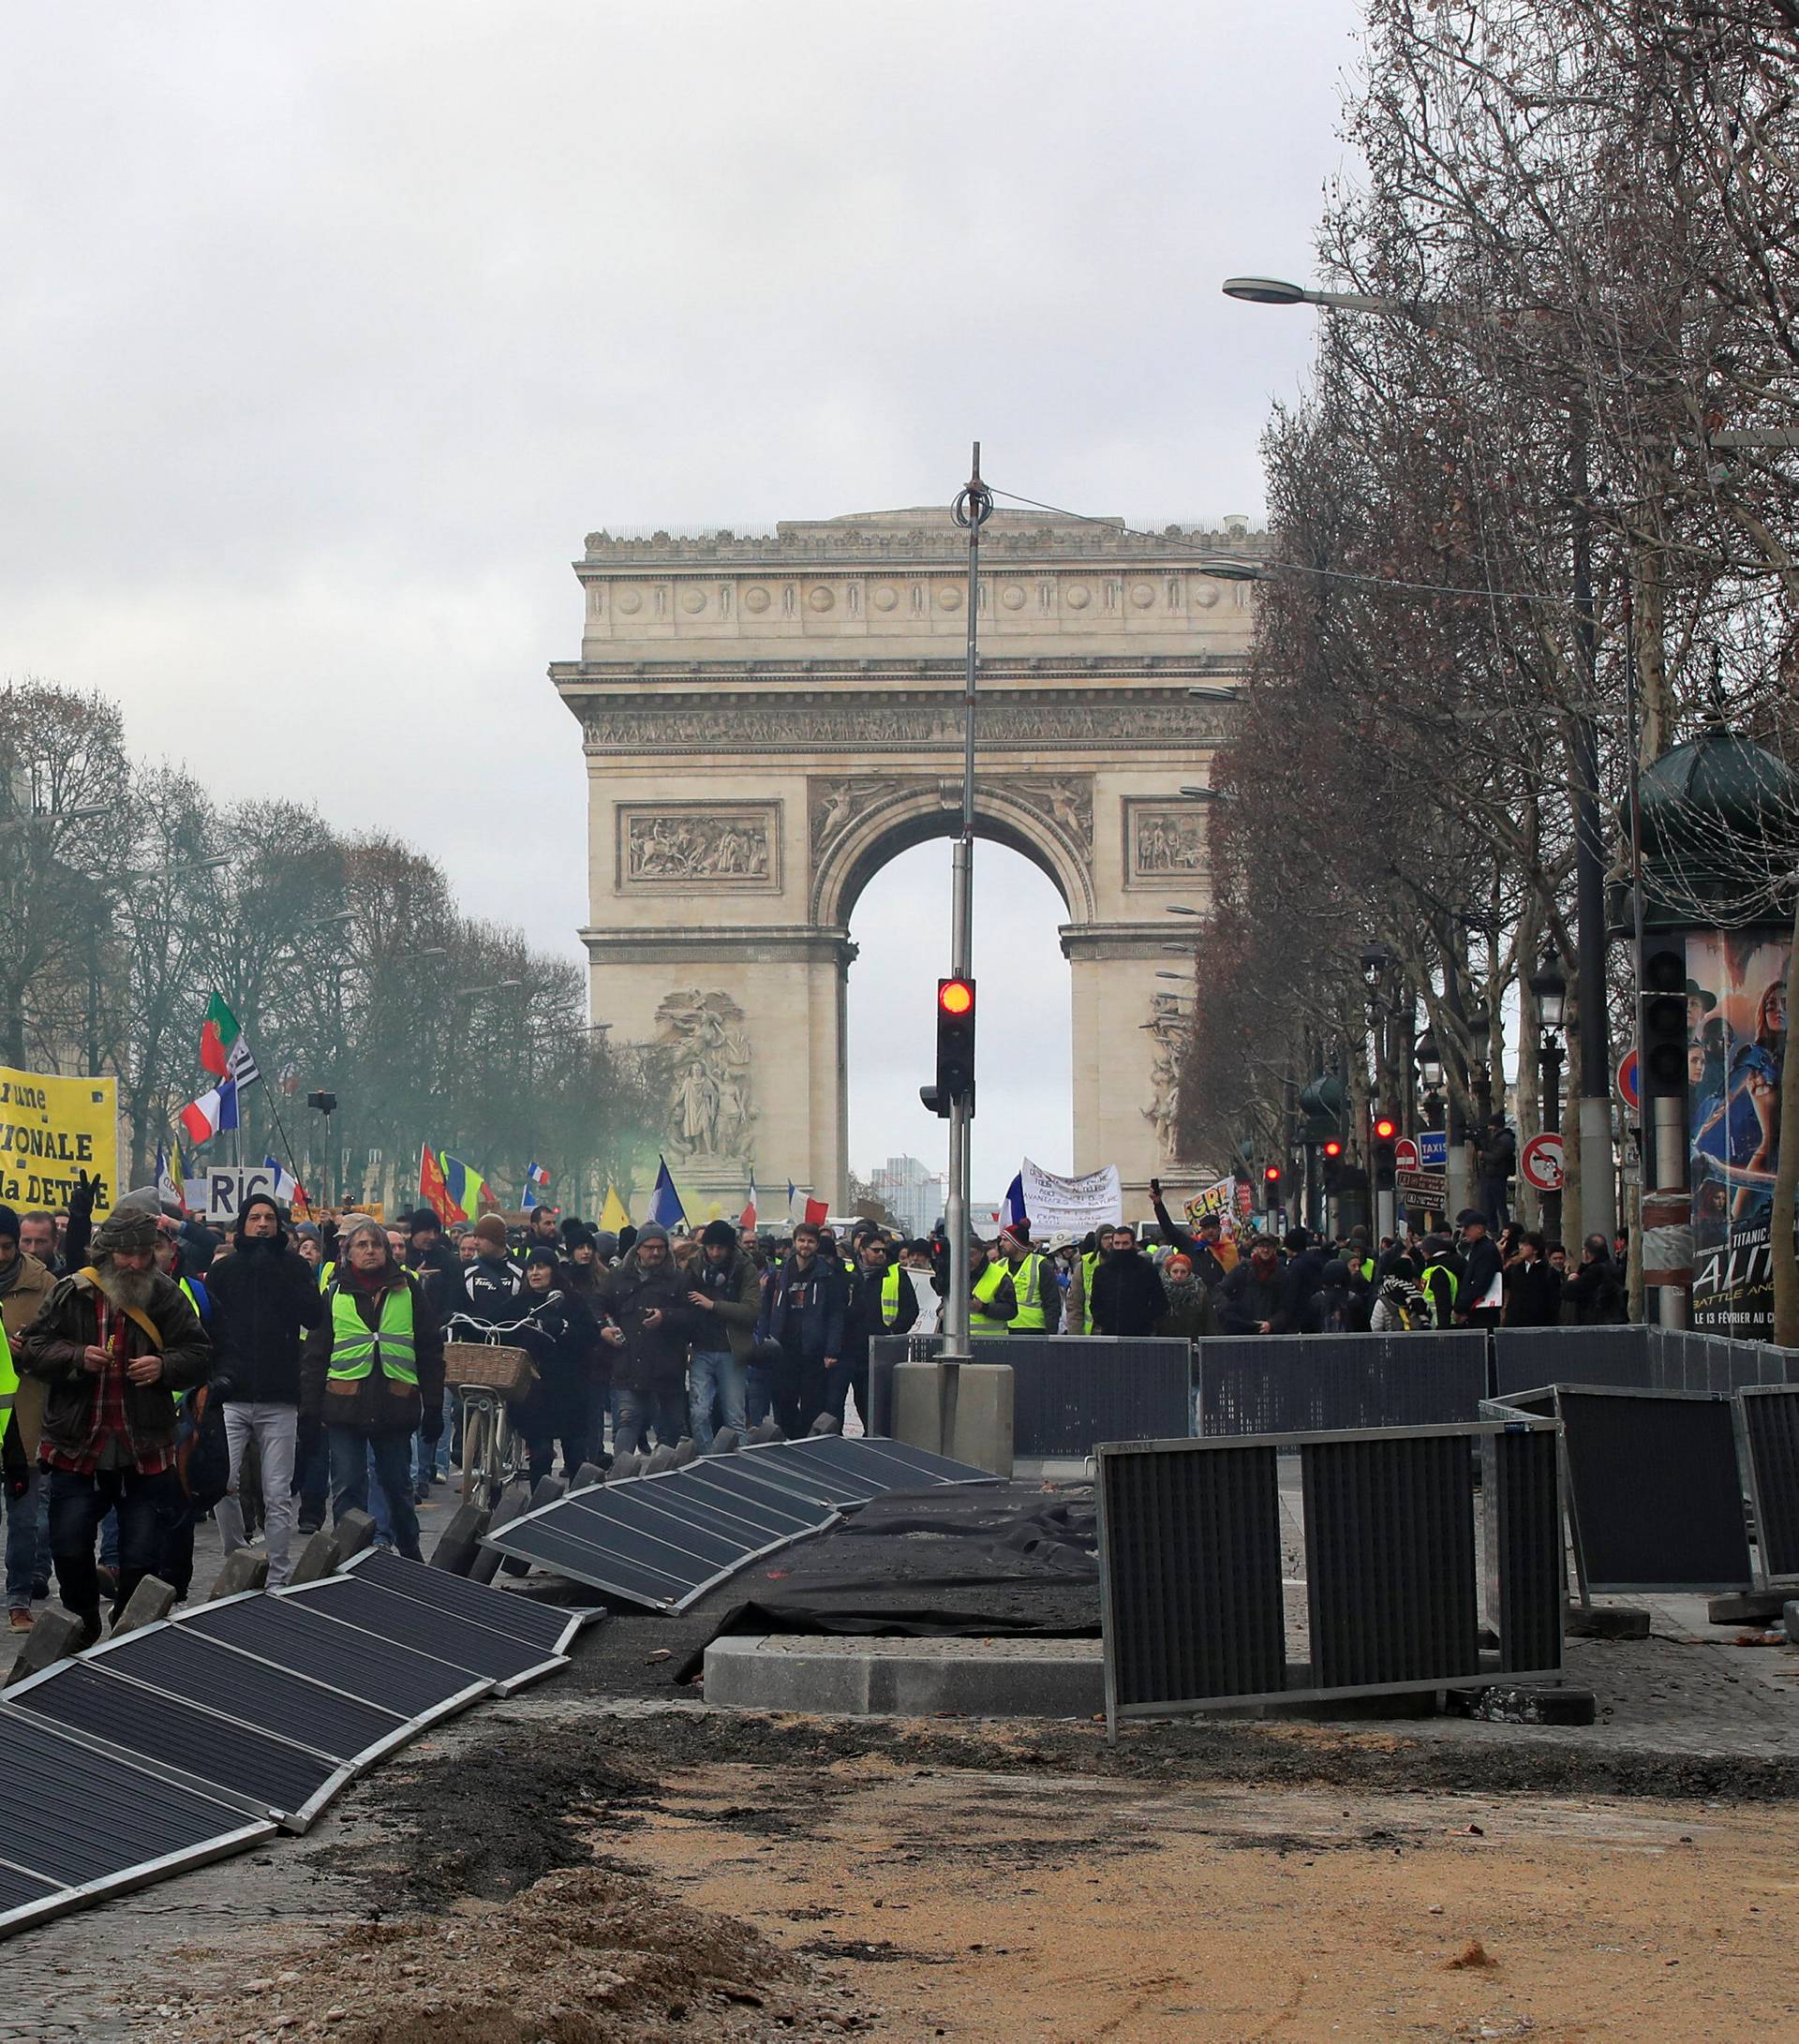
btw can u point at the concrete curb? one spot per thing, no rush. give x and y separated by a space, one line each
746 1674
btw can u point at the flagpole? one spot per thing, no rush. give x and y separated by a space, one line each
287 1145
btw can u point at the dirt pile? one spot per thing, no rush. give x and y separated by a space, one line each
582 1957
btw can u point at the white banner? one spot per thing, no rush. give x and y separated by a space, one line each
220 1194
1071 1206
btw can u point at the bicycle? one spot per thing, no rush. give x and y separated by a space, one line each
491 1451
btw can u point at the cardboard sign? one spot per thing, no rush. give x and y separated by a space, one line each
52 1129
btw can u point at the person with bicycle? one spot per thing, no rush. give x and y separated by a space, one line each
557 1333
373 1372
648 1326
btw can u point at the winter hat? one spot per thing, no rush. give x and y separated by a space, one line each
491 1228
1016 1231
1336 1274
605 1243
307 1231
257 1199
1470 1217
126 1228
425 1222
627 1239
651 1231
9 1221
718 1235
544 1257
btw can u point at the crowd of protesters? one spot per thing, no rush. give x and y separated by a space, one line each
153 1370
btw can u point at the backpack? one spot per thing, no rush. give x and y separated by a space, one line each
202 1454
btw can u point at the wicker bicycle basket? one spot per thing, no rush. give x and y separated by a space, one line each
508 1371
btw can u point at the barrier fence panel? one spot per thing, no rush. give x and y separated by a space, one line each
1194 1607
1770 1416
1069 1392
1308 1382
1523 1357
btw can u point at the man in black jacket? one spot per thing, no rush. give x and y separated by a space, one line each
1252 1300
881 1301
803 1307
265 1298
1127 1296
1201 1250
1482 1295
649 1324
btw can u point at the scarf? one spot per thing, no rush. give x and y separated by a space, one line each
10 1276
1181 1291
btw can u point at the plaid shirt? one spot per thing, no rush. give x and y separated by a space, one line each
108 1443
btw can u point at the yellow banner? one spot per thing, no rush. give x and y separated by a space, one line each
51 1131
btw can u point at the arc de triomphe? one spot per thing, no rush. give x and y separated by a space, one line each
768 721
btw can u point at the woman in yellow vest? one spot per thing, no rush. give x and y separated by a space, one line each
373 1372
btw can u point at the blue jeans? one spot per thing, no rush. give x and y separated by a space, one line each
27 1542
351 1452
637 1412
715 1374
758 1394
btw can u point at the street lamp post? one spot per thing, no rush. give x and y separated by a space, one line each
1551 991
1598 1206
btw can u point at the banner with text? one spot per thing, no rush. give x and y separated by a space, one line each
51 1131
1058 1205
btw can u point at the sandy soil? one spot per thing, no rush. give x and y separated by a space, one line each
990 1907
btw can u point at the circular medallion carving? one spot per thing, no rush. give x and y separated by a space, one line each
1079 596
1012 597
949 600
1204 594
692 602
756 600
631 601
886 598
820 600
1142 595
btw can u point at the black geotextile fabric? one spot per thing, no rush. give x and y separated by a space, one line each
1013 1562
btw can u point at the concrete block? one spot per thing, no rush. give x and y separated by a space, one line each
153 1599
906 1677
1604 1621
763 1430
1747 1607
727 1441
318 1558
628 1464
245 1570
826 1423
460 1543
485 1565
918 1393
350 1534
663 1459
1789 1616
55 1637
684 1452
978 1420
587 1474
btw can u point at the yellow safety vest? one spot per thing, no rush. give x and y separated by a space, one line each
983 1289
8 1382
890 1294
1027 1282
357 1349
1089 1264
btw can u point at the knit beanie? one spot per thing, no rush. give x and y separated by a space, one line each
9 1223
491 1228
651 1231
718 1235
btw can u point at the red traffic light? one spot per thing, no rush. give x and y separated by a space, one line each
1386 1128
955 996
1333 1150
1272 1174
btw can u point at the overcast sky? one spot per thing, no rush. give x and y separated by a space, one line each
329 329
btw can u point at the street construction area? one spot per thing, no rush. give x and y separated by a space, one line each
608 1857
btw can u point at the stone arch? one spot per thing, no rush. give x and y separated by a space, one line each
912 813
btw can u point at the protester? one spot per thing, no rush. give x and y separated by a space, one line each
1482 1290
1330 1310
559 1336
726 1293
1400 1306
1301 1275
38 1240
881 1301
1532 1290
1496 1154
265 1302
1127 1297
113 1343
1034 1281
25 1283
492 1281
1253 1298
372 1371
648 1324
804 1309
1595 1292
1189 1314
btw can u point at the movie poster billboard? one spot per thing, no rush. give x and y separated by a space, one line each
1736 1049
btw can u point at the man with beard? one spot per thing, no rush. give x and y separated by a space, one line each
114 1341
1128 1295
804 1306
264 1300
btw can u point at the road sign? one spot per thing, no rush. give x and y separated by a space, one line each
1433 1150
1406 1154
1541 1162
1420 1188
1627 1091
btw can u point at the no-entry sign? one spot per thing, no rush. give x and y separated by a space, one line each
1628 1080
1406 1154
1541 1162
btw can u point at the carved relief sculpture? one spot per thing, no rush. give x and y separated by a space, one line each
1064 800
1164 842
1168 1033
701 1055
720 850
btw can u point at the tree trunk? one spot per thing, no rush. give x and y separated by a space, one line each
1786 1174
1572 1231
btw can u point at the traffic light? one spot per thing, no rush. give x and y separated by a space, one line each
1664 1021
1386 1133
955 1047
1271 1187
1331 1151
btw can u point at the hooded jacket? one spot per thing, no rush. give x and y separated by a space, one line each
265 1298
22 1300
652 1358
804 1310
734 1289
1245 1300
1128 1295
